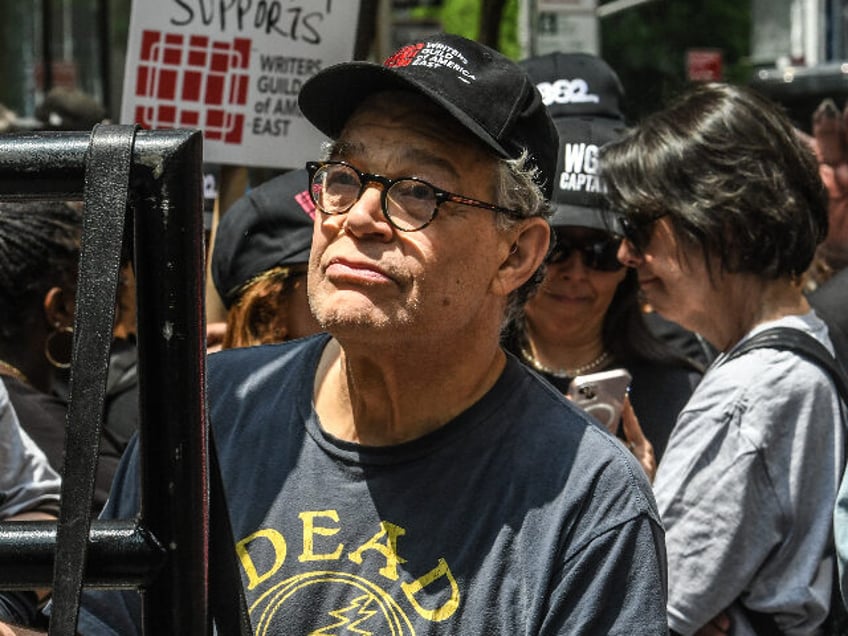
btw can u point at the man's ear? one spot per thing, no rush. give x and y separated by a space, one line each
58 308
525 255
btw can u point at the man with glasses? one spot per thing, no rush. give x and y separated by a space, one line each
401 474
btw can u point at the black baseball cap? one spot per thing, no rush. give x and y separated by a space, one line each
487 93
578 197
584 96
270 226
576 84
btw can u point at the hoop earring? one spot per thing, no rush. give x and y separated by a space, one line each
47 354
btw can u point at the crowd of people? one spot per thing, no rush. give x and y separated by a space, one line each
405 317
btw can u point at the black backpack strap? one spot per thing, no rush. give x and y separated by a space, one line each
107 175
804 345
807 346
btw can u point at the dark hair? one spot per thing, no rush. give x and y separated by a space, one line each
733 176
39 249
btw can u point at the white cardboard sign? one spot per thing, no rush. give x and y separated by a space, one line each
234 68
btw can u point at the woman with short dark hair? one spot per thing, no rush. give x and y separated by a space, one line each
723 209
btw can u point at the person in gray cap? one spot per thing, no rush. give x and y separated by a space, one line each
259 263
402 474
586 315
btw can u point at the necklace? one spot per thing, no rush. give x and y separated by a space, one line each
597 363
13 371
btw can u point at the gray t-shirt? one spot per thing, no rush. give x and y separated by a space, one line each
746 490
26 480
518 517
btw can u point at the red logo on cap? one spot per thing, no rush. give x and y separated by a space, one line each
404 56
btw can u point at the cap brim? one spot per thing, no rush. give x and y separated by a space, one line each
580 216
329 98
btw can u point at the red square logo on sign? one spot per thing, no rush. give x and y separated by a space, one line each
193 80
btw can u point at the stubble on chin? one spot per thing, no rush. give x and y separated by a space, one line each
340 310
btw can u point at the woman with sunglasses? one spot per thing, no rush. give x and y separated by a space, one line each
723 209
586 316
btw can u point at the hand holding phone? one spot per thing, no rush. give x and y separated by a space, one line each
601 395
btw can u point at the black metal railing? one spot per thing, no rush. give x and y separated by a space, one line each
164 551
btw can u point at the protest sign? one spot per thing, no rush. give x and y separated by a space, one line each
234 68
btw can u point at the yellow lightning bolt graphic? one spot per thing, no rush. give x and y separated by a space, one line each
359 604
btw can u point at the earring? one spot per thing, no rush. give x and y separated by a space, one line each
513 249
69 331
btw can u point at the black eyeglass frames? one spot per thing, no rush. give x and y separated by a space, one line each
600 254
408 203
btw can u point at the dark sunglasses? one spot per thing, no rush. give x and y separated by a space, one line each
598 254
638 231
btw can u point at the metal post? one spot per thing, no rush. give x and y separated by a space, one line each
47 44
166 197
169 261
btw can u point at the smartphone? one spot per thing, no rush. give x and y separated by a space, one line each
601 395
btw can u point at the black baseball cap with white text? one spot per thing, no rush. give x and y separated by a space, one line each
490 96
578 197
573 84
584 96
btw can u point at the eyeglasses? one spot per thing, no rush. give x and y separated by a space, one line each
597 254
638 231
409 204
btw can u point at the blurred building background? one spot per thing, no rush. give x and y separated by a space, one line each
794 50
799 51
75 44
